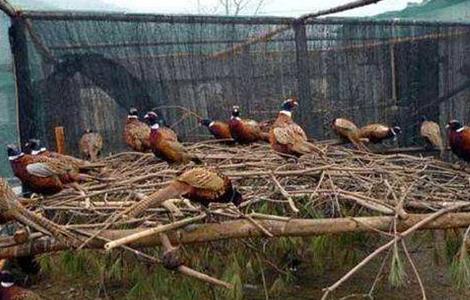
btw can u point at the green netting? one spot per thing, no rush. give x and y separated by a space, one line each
8 115
86 70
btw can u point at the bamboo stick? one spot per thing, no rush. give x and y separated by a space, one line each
190 272
152 231
285 194
420 224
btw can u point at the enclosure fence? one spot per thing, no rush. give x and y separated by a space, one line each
84 70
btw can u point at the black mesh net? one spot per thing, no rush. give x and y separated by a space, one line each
86 70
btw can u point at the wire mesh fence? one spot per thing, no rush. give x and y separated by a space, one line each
82 70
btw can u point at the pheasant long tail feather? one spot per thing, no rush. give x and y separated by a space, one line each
359 145
155 199
315 148
305 147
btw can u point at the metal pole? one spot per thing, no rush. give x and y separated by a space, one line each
303 76
7 8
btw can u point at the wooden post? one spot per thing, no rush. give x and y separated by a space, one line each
60 139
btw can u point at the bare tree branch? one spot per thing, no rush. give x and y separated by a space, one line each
233 7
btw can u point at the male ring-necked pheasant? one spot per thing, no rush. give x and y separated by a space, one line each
348 132
377 133
42 174
10 291
165 145
200 185
219 129
19 162
34 147
245 131
459 139
136 133
286 136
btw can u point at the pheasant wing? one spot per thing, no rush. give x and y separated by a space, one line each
379 128
289 134
40 170
168 134
252 124
203 179
48 168
298 131
139 132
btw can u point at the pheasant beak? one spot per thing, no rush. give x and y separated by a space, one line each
447 126
146 116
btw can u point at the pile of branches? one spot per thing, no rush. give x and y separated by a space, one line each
344 191
343 183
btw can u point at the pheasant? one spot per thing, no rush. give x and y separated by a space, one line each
42 174
219 129
9 291
431 132
200 185
377 133
19 161
10 208
286 137
91 144
136 133
459 139
34 147
164 143
348 132
245 131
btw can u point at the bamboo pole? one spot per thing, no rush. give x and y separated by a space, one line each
245 229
